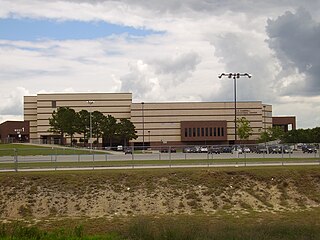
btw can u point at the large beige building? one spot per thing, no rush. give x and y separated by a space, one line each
172 123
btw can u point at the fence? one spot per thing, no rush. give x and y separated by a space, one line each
61 158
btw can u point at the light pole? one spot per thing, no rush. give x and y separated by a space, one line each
264 118
264 125
149 137
90 102
235 76
142 106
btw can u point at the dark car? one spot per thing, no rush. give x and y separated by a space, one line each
309 149
215 150
187 150
226 149
275 149
261 149
287 149
128 151
167 149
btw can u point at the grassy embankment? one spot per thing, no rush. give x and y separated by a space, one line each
295 218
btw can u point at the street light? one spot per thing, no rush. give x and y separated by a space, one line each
142 106
235 76
264 125
90 127
264 118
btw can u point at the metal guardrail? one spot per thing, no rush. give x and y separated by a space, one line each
20 159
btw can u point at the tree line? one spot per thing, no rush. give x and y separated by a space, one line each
65 121
312 135
293 136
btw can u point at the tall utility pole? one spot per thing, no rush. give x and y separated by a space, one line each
235 76
142 106
90 102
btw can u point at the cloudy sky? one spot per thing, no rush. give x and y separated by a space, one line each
169 50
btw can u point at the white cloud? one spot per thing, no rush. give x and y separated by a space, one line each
201 39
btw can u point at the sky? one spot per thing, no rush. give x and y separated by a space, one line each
163 51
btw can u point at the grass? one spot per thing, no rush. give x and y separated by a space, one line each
29 150
282 226
52 163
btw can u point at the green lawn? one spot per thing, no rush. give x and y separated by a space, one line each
31 150
51 163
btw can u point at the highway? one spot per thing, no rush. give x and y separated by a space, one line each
82 162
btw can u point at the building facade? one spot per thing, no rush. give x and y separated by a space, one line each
14 131
174 123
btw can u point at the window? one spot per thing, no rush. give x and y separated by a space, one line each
194 132
202 132
215 132
207 132
210 132
198 132
190 132
53 104
222 132
218 132
186 132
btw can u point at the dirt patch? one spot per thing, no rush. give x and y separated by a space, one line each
105 194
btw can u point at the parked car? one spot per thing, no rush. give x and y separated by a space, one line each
128 150
119 148
287 149
167 150
309 149
246 150
226 149
261 149
204 149
237 149
187 150
275 149
215 150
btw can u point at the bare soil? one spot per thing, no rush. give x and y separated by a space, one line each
157 192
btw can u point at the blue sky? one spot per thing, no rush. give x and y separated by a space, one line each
36 29
170 50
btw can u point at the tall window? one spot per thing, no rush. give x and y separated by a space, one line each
53 104
210 132
202 132
218 132
186 132
222 132
194 132
190 132
215 132
198 132
207 132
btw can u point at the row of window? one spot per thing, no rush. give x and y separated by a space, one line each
204 132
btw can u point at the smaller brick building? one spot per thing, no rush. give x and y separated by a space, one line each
14 131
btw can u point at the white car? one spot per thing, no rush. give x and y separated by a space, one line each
246 150
203 149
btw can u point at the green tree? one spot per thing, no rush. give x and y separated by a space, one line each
109 128
302 136
97 123
63 121
126 131
276 133
83 122
244 130
271 134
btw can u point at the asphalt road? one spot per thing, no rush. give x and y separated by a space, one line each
308 159
152 156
